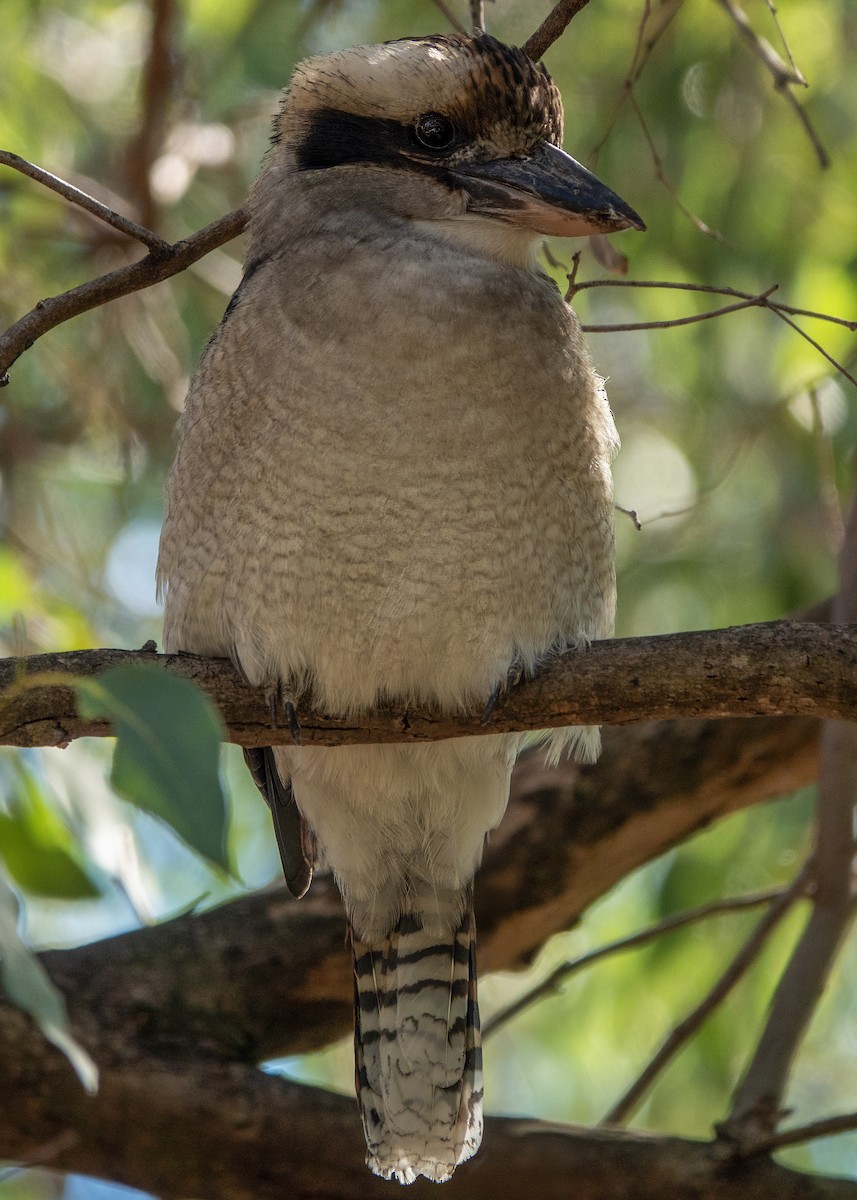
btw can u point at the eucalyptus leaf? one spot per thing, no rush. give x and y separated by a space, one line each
39 851
166 760
27 985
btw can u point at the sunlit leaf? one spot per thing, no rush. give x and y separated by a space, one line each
39 851
167 751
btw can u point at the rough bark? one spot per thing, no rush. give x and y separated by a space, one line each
267 976
228 1133
777 668
179 1015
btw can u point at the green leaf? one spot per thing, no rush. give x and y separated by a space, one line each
39 851
167 754
26 983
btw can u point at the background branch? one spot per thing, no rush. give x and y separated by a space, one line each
552 984
758 1102
178 1015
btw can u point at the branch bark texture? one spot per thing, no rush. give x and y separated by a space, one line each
779 668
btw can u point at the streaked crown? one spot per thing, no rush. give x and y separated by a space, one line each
362 104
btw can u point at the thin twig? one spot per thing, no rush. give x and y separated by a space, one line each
759 301
154 268
783 74
827 1127
806 337
552 27
157 246
450 16
661 174
477 16
710 289
643 49
550 985
772 9
685 1029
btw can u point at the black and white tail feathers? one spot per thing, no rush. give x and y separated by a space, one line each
418 1051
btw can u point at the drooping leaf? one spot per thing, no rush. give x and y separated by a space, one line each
166 760
27 985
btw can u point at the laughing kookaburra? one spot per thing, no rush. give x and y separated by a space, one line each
392 484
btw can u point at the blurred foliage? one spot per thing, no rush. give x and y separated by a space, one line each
738 444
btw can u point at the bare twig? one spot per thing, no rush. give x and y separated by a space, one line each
152 269
450 16
827 1127
477 16
643 48
757 1105
709 289
685 1029
661 174
806 337
772 9
551 984
760 301
158 248
784 75
552 27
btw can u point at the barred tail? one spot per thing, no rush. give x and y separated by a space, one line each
418 1051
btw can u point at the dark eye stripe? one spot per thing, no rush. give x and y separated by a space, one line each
335 137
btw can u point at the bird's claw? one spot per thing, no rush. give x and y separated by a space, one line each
276 700
514 675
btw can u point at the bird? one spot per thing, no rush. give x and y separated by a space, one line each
392 486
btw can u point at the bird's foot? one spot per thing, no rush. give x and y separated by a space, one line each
515 674
278 698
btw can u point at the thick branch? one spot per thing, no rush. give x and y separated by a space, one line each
781 668
227 1133
266 976
178 1015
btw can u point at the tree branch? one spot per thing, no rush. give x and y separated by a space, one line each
773 669
231 1133
266 976
552 27
157 246
757 1105
179 1014
154 268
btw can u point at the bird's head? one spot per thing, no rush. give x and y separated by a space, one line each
457 129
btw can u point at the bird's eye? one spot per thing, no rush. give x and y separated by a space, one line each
434 131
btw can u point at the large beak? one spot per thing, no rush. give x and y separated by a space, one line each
549 191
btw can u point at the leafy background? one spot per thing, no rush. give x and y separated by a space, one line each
738 457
